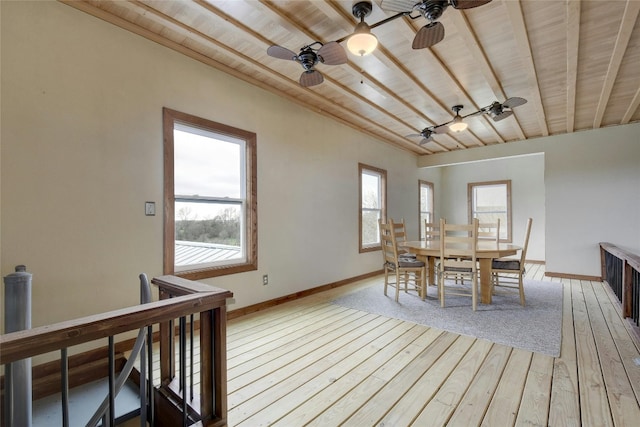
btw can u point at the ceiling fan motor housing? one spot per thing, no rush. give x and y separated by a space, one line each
308 58
433 9
362 9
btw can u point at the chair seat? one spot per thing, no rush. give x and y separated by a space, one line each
406 263
506 264
407 255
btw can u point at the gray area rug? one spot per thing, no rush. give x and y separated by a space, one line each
536 327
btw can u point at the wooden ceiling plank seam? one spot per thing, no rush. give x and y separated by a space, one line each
519 27
632 108
327 79
471 41
625 30
136 29
573 43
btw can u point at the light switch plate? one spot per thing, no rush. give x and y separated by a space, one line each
149 208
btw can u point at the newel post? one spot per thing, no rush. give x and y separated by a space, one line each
17 317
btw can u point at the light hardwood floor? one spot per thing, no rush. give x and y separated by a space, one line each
310 362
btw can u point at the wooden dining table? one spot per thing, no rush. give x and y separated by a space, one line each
429 250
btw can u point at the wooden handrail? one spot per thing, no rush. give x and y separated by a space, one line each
621 270
632 259
179 298
43 339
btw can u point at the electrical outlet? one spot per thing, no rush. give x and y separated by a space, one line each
265 279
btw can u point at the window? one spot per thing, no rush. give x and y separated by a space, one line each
489 201
373 195
425 194
210 224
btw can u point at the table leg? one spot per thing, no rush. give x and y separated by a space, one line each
431 274
485 280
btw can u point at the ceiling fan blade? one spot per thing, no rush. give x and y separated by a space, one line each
502 116
514 102
332 53
281 53
311 78
398 5
468 4
425 140
428 35
413 135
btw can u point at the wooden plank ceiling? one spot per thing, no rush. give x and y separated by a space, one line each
577 63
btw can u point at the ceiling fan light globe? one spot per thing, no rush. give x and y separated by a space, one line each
362 42
458 125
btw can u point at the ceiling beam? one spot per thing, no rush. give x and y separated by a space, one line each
572 8
622 40
270 8
347 21
471 42
632 108
524 47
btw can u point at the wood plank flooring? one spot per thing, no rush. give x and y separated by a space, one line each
312 363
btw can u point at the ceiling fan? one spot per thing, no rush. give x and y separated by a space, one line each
432 10
330 54
496 111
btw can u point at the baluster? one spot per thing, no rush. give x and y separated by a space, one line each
64 378
112 388
191 358
150 379
183 368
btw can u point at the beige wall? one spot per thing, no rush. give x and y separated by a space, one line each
82 151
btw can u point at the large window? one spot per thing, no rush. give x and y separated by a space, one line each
373 195
489 201
425 195
210 197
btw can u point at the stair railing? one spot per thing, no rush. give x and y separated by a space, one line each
179 298
621 270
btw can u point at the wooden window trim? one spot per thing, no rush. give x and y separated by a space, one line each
170 117
420 222
509 214
383 199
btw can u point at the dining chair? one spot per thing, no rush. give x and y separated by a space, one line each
400 232
458 247
489 230
431 230
509 272
406 270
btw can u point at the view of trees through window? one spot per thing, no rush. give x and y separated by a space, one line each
223 228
